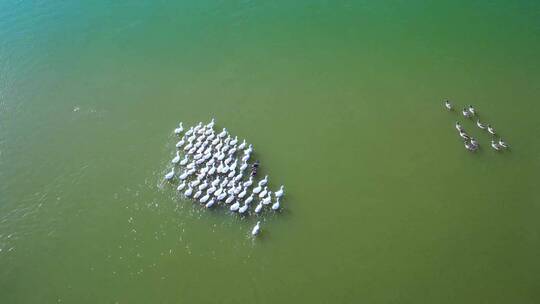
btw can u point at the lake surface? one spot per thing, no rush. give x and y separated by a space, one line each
342 102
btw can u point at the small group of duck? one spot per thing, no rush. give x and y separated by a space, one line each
471 144
216 170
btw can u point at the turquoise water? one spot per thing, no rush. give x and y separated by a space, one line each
342 102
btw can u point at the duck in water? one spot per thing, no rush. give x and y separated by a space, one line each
254 168
480 125
458 126
471 110
257 229
464 135
447 105
470 146
502 143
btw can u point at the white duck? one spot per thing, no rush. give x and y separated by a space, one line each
243 193
238 177
205 198
201 130
249 182
184 175
257 189
221 196
179 129
223 133
210 125
219 168
180 143
276 205
203 185
248 200
447 104
212 170
181 186
267 200
243 166
491 130
458 126
502 143
263 193
237 190
257 229
188 192
195 183
280 192
234 141
219 146
234 207
495 145
259 207
242 145
170 174
243 209
229 199
221 156
210 203
197 194
224 183
264 181
184 161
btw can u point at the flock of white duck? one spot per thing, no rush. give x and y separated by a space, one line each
471 144
216 170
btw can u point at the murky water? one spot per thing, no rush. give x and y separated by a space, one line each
342 101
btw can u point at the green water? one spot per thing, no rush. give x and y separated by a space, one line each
342 102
